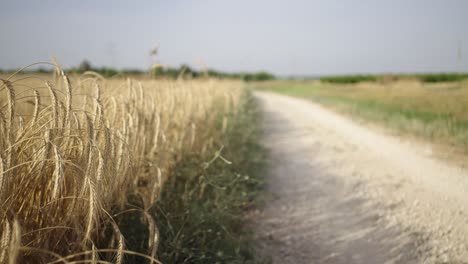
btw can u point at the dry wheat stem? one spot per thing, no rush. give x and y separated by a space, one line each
76 150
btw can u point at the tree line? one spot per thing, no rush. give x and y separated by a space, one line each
183 71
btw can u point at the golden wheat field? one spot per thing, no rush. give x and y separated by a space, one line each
74 148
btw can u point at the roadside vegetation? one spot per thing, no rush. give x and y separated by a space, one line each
435 111
125 170
202 213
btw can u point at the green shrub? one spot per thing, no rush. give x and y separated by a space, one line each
349 79
442 77
259 76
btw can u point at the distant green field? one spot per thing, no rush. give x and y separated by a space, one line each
427 78
350 79
435 111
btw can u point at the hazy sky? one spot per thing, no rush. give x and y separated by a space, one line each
285 37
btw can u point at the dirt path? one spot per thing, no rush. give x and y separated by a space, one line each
343 193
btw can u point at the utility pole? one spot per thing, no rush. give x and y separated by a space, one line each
112 52
460 56
153 56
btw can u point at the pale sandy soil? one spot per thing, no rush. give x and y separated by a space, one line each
342 192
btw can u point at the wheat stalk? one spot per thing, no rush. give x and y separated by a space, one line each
79 150
55 105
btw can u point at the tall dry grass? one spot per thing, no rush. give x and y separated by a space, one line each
74 148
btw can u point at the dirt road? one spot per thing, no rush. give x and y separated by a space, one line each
344 193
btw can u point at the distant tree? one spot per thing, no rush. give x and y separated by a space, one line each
258 76
42 70
186 70
107 72
263 76
85 65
